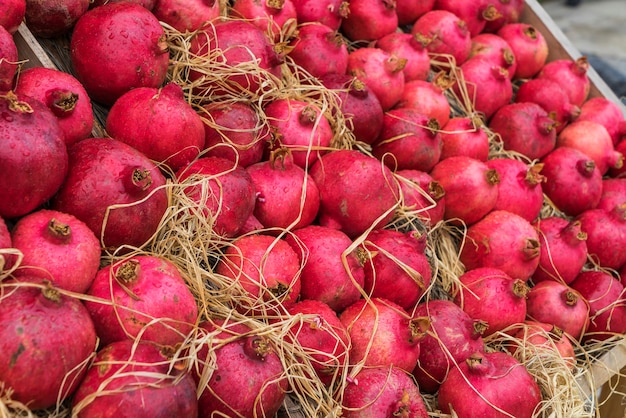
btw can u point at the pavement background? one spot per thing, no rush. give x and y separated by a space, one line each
597 28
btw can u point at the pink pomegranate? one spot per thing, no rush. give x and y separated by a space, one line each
558 304
505 241
15 10
50 19
526 128
234 131
409 11
267 270
595 141
488 86
9 59
332 271
510 11
323 337
422 195
369 20
186 15
607 113
382 391
357 192
64 95
223 192
409 140
34 156
573 181
299 126
606 296
286 195
359 105
475 14
381 71
397 269
519 189
428 98
464 136
571 75
151 301
121 38
490 295
410 47
57 248
46 340
452 338
537 337
327 12
268 15
494 48
159 123
563 246
551 97
383 334
613 193
319 50
135 377
129 201
606 235
471 188
529 46
490 384
447 34
238 351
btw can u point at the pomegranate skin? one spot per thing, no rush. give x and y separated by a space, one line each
320 50
606 235
605 295
510 12
110 35
408 46
51 19
494 380
369 20
163 295
186 15
10 57
382 391
414 184
135 379
324 276
34 155
464 136
269 16
563 249
59 248
44 339
491 47
488 85
475 14
15 10
447 34
607 113
502 240
122 175
529 46
535 337
571 75
64 95
427 98
327 12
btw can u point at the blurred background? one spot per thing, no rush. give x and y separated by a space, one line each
597 28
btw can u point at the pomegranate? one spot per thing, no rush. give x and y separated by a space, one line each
519 189
34 156
382 391
8 59
332 272
286 195
127 376
327 12
490 385
529 46
494 48
475 14
573 181
427 98
537 337
369 20
268 15
613 193
502 240
15 10
409 140
409 11
398 269
46 339
464 136
319 50
357 192
186 15
422 195
606 296
471 188
223 191
381 71
563 247
491 295
266 268
447 34
410 47
526 128
510 11
453 337
51 19
606 235
558 304
571 75
64 95
607 113
143 297
127 205
58 248
383 334
113 34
